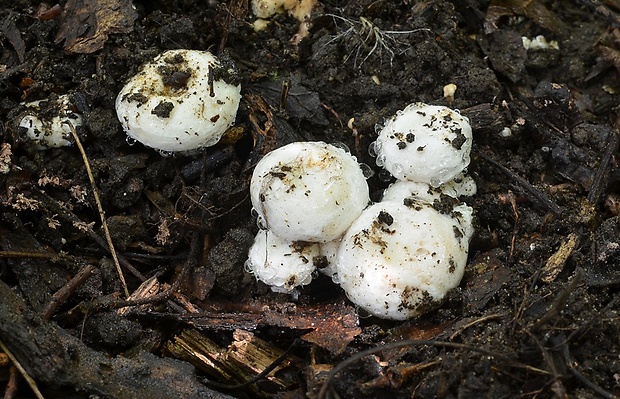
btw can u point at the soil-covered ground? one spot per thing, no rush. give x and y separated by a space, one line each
536 315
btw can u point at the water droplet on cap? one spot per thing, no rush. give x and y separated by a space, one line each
385 176
130 140
397 169
166 154
247 267
367 171
342 146
372 150
261 223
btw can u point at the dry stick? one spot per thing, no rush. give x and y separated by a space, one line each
557 386
587 325
29 380
571 366
104 224
559 302
22 254
533 191
62 294
164 295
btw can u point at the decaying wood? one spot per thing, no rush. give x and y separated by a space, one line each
51 355
86 25
244 359
556 262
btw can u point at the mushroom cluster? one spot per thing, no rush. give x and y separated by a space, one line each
304 194
395 259
402 256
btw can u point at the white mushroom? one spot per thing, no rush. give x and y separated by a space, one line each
400 258
181 101
308 191
424 143
281 264
48 122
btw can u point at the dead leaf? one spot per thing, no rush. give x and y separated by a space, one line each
333 326
299 101
487 276
86 24
12 34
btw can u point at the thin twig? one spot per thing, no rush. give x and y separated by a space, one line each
164 295
65 214
104 223
533 191
571 366
22 371
23 254
62 294
557 386
559 302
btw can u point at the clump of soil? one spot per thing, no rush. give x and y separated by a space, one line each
536 314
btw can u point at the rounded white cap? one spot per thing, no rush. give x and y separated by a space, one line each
424 143
281 264
397 261
308 191
181 101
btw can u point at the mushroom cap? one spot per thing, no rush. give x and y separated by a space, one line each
47 122
424 143
308 191
181 101
281 264
398 261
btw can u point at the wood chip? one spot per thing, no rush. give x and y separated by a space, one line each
556 262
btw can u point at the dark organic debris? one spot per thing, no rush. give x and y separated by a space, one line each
85 25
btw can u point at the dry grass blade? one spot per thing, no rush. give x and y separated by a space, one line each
104 224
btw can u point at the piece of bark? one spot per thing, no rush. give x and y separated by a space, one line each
51 355
86 24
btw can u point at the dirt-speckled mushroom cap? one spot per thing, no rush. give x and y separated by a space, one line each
424 143
400 258
48 123
308 191
281 264
181 101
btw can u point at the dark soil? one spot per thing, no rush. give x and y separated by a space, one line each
537 314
